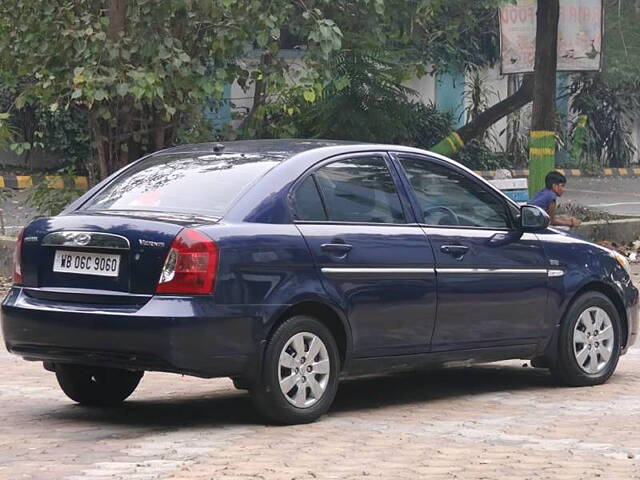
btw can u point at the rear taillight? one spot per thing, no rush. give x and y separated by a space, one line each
190 267
17 259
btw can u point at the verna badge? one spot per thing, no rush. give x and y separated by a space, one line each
82 239
149 243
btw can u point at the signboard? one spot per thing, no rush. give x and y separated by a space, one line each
579 36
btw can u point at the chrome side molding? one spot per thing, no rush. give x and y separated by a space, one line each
556 273
522 271
383 272
431 271
86 240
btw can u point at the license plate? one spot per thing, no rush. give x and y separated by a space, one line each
86 263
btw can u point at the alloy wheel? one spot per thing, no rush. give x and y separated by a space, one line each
593 340
303 369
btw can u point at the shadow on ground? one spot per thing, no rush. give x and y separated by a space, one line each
235 407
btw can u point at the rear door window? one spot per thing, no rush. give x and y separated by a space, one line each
358 190
204 185
308 204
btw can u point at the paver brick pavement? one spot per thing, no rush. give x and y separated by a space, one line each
481 422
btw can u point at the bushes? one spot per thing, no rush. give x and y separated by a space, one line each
609 106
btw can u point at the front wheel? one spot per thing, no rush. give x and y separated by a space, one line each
96 386
589 343
300 372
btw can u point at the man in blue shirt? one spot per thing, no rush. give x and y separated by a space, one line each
556 184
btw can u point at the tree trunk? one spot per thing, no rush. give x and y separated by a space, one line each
159 137
456 140
117 10
498 111
542 141
260 92
106 141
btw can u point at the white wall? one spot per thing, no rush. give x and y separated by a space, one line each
424 87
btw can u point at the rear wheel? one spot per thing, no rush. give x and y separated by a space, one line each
300 372
589 343
96 386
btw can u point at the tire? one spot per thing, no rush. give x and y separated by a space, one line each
96 386
589 342
306 394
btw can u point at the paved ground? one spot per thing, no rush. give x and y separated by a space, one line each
481 422
618 195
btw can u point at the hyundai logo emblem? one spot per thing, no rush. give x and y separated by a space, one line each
82 239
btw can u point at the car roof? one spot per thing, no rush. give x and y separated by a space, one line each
307 151
282 148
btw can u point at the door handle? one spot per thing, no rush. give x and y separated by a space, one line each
336 247
456 251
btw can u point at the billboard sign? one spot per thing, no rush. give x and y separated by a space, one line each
579 36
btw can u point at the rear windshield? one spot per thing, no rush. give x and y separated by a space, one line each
203 185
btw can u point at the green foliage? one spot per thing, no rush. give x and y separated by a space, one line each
134 85
6 131
611 97
64 133
479 95
427 125
49 201
421 34
609 106
477 155
136 88
621 55
365 100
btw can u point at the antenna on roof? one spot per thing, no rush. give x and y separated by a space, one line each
218 148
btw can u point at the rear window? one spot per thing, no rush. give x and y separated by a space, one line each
205 185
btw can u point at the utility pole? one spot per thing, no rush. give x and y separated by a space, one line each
542 140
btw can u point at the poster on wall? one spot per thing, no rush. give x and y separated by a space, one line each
579 36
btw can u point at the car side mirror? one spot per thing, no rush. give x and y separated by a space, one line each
533 218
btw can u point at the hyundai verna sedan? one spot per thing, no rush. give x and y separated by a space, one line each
288 264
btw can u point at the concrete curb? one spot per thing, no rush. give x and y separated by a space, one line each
621 231
53 181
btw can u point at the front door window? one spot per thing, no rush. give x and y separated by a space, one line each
449 198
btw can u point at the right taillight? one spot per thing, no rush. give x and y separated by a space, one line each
191 264
17 259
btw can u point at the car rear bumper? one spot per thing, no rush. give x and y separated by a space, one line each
189 335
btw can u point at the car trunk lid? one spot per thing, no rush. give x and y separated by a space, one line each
114 252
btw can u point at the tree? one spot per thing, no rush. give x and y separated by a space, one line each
137 70
542 142
455 141
383 46
134 69
606 102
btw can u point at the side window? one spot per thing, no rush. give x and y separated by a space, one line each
359 190
307 201
447 197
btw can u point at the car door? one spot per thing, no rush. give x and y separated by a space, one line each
492 278
372 256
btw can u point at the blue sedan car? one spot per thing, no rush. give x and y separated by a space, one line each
288 264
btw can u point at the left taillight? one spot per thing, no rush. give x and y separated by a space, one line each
17 259
191 264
